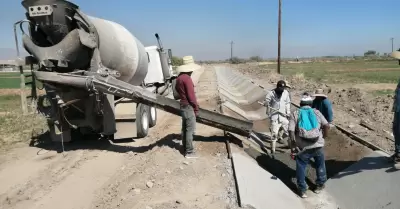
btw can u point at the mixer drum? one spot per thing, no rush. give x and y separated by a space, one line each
121 51
58 41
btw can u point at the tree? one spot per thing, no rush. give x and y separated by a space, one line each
176 61
370 53
237 60
256 58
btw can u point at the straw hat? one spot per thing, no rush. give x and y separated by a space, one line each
188 65
319 93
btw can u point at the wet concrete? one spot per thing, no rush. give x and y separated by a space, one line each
340 153
253 182
368 184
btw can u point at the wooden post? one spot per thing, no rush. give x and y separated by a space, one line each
24 104
279 38
33 89
231 51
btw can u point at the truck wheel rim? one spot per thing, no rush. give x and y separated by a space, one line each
145 121
153 113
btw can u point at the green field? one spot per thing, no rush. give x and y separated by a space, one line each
11 80
359 71
383 92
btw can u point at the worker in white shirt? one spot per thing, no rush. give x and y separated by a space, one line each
277 102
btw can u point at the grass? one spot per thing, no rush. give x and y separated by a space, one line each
11 74
9 81
358 71
9 103
14 127
383 92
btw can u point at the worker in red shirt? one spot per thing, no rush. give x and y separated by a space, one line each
189 108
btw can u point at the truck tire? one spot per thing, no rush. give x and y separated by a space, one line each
174 92
152 117
142 120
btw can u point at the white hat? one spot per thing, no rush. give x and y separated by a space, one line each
319 93
306 99
188 65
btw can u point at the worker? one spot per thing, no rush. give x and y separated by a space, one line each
307 130
277 102
396 127
322 103
189 108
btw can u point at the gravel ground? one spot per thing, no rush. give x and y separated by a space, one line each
146 173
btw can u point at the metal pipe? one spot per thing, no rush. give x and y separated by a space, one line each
70 102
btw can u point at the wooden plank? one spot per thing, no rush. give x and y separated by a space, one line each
367 125
361 140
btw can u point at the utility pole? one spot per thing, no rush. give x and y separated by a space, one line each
279 38
231 51
392 43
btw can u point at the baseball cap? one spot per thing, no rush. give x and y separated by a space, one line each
281 83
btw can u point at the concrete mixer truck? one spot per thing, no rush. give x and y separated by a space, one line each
98 77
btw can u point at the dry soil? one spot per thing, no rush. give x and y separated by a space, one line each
144 173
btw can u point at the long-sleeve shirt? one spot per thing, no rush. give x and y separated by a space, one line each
325 107
282 104
185 88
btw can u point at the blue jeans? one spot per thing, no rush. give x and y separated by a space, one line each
396 132
303 159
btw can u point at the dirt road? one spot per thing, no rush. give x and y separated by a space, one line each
145 173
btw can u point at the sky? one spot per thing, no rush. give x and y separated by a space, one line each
205 28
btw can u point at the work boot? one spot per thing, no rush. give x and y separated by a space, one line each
303 194
280 140
396 161
395 158
319 188
191 155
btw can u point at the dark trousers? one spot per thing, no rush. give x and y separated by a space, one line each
396 132
303 159
188 127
